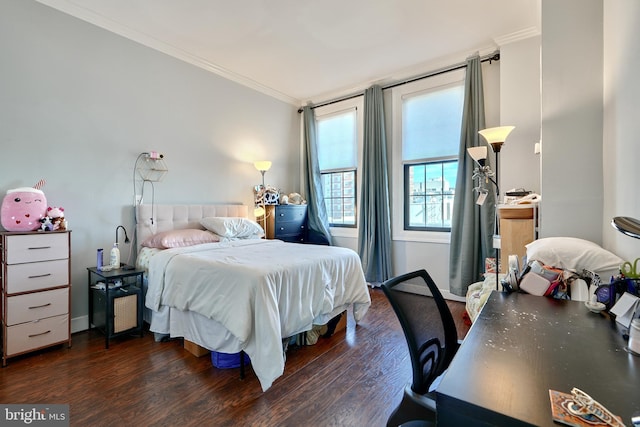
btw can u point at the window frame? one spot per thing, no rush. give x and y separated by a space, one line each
355 197
424 162
397 182
356 103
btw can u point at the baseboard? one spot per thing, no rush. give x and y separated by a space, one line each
79 324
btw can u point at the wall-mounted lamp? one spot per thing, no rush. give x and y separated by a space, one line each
262 166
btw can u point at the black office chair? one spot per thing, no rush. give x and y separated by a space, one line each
431 336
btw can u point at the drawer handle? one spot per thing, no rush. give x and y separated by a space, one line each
281 214
281 228
41 333
40 247
40 275
40 306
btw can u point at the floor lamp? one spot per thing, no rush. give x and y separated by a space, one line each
483 172
495 137
260 211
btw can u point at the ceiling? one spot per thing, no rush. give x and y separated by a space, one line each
300 51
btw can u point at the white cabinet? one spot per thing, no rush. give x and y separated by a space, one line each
36 291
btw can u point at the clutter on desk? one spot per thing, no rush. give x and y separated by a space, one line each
579 409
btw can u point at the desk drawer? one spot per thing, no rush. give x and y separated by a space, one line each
33 335
37 275
23 248
38 305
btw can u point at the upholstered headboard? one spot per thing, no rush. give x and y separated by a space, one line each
151 219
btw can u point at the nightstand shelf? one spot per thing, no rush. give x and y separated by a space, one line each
115 302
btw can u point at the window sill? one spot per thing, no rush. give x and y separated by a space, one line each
440 237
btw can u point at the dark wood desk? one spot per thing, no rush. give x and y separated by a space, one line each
520 347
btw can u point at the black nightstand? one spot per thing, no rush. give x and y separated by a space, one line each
115 307
287 222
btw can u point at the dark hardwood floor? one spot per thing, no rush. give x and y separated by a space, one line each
354 378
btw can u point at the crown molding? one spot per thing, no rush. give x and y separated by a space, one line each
517 36
79 12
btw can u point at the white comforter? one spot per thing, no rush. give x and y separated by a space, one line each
261 290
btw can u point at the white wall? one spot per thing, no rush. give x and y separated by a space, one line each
572 115
520 107
621 140
78 104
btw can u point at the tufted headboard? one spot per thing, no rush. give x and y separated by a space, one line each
151 219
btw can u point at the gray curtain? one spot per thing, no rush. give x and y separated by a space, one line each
472 225
374 231
317 219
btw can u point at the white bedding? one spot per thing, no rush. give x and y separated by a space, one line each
261 291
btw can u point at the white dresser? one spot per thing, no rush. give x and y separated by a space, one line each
36 291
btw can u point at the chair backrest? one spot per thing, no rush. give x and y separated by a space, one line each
427 323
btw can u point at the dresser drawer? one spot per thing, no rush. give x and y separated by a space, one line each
284 228
36 275
22 248
291 213
38 305
32 335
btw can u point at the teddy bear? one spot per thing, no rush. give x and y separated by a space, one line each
57 218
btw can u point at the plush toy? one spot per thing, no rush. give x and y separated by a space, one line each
57 218
23 208
47 225
296 199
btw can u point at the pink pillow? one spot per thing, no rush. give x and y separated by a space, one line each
180 238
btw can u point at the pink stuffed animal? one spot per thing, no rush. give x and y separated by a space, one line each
22 209
57 218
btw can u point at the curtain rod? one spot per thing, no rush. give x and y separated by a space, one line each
495 56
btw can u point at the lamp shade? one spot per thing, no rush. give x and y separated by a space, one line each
627 225
496 136
262 165
478 154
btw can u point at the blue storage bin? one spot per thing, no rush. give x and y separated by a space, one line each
228 360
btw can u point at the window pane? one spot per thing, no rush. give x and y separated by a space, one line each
429 194
337 147
431 123
340 199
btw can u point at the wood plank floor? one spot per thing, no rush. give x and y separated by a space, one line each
354 378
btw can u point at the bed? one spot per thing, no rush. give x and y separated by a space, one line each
245 294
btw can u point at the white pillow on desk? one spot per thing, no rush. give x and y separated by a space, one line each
571 253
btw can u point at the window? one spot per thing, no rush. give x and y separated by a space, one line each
427 123
337 133
429 201
340 197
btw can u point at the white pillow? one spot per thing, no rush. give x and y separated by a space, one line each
232 227
571 253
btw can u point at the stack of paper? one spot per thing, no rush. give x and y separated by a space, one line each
625 309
